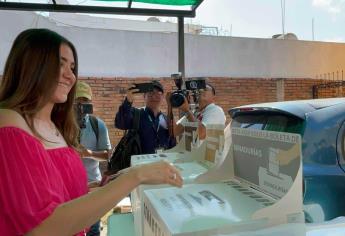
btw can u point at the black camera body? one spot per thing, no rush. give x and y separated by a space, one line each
192 88
144 87
177 97
195 84
82 109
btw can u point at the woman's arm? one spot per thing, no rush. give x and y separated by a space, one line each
72 217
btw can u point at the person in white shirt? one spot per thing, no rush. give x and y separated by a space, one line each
207 113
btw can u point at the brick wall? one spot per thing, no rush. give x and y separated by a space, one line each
231 92
108 93
330 89
299 88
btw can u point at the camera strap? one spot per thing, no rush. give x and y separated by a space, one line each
156 130
199 116
153 123
94 125
136 119
171 122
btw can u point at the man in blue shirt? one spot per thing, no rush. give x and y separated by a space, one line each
94 139
153 126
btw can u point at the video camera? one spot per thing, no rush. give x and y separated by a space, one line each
82 109
192 87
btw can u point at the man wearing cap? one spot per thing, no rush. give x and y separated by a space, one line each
94 139
153 125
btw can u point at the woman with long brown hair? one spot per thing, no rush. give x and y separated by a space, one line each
43 185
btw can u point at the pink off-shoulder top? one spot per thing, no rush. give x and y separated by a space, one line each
35 180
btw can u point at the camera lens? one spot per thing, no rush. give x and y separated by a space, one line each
177 99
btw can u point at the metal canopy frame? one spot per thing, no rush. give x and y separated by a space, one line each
55 7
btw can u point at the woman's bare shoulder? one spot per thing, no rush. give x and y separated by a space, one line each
11 118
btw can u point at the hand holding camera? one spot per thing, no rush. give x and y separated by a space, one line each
139 88
130 93
181 96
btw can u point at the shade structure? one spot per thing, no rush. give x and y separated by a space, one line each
169 8
162 2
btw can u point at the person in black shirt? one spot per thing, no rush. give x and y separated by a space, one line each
153 126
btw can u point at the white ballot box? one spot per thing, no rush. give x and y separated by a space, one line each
190 166
292 229
266 190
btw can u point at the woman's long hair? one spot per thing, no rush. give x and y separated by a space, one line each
31 76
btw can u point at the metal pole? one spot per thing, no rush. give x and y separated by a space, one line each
312 29
282 3
181 65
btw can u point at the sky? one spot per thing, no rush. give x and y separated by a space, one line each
263 18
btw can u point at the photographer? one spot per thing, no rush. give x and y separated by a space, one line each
94 139
207 113
153 125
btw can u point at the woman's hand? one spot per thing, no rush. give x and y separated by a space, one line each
160 172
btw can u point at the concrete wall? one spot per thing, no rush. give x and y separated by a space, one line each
95 22
111 53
